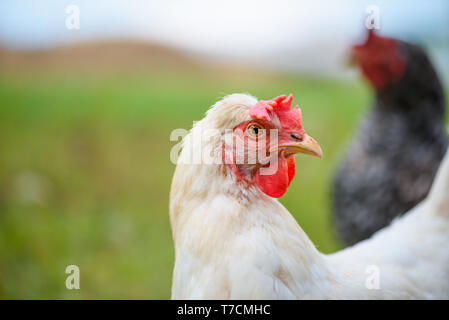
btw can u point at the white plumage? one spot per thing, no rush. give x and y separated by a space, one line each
232 241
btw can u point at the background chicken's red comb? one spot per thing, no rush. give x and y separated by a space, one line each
373 41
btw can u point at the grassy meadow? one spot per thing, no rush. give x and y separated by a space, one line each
85 171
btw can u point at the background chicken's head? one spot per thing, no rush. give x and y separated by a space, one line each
401 73
380 60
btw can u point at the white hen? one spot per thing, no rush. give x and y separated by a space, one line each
234 241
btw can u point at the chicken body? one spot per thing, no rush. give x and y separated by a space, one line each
391 163
232 241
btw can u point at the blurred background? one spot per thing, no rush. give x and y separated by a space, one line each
86 114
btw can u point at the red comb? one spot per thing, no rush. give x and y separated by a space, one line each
262 109
375 41
371 35
281 107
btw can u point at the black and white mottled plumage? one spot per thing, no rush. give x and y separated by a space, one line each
392 161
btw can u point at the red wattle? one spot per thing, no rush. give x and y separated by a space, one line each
291 168
276 184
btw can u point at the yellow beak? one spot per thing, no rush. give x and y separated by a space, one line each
307 146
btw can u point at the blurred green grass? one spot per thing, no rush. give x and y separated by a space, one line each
85 171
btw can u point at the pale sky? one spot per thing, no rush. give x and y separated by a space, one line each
238 29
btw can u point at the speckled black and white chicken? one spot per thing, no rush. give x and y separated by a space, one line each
394 156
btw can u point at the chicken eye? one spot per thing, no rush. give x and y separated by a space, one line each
254 130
